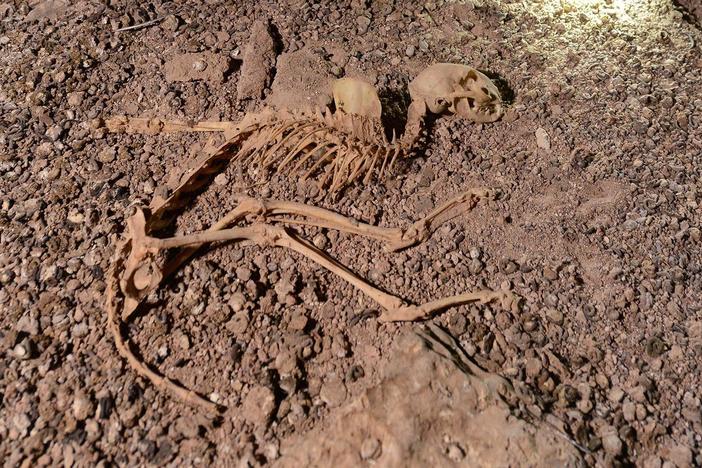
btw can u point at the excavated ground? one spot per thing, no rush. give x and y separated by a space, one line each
599 159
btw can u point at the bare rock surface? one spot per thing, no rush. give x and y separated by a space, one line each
436 412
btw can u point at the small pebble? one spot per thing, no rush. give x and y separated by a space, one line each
83 406
320 241
370 448
554 315
333 392
542 139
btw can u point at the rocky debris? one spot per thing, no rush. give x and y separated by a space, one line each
302 80
388 421
259 63
259 405
205 66
47 9
543 140
333 392
83 406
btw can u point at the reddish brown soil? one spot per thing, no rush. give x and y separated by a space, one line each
598 158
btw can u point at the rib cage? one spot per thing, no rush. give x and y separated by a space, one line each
335 148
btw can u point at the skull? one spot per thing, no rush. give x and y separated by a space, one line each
458 89
353 96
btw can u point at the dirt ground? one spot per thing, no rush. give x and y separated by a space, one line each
598 229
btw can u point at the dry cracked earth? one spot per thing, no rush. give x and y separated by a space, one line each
598 159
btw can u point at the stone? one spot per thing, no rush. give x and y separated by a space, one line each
243 274
259 405
629 410
259 60
333 392
107 155
363 23
295 87
83 406
170 23
186 426
611 441
680 455
616 395
370 448
533 367
542 139
455 452
320 241
554 315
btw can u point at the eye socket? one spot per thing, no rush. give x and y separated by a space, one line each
442 102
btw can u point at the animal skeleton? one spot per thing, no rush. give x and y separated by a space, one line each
338 148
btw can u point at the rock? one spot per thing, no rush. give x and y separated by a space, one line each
170 23
320 241
616 395
258 406
370 448
24 349
302 80
259 61
363 23
28 325
52 9
54 133
655 347
186 426
542 139
554 315
243 274
239 323
205 66
221 180
455 452
550 274
107 155
105 405
21 423
83 406
653 461
611 441
409 51
299 321
75 99
533 367
629 410
680 455
333 392
283 287
237 302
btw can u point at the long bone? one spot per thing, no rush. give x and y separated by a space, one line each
395 309
272 210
